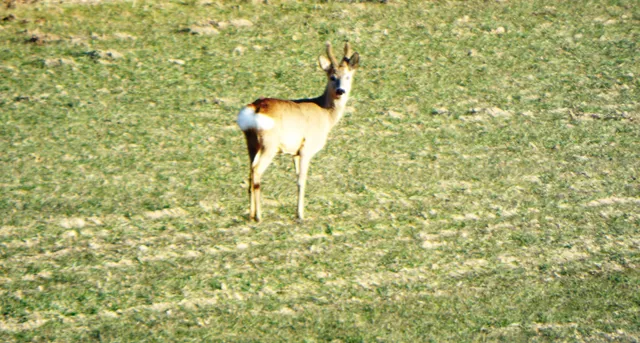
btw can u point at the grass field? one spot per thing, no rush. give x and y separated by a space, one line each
483 185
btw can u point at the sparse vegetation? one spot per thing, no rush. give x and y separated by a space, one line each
483 186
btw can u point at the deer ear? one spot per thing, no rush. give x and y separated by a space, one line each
324 62
354 61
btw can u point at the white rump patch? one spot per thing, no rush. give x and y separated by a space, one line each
264 122
249 119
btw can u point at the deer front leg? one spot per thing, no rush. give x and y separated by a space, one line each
296 164
304 162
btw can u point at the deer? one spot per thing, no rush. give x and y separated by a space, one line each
295 127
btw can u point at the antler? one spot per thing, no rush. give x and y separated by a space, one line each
333 59
347 50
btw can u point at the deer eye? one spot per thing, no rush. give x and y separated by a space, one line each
333 78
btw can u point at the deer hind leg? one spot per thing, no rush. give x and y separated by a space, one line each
262 161
254 146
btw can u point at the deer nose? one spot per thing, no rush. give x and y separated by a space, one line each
340 91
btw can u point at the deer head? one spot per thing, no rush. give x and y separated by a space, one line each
340 74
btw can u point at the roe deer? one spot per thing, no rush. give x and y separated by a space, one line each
296 127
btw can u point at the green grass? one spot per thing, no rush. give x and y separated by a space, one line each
483 186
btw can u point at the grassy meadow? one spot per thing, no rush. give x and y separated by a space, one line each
482 186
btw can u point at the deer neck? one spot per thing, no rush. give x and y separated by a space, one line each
335 107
